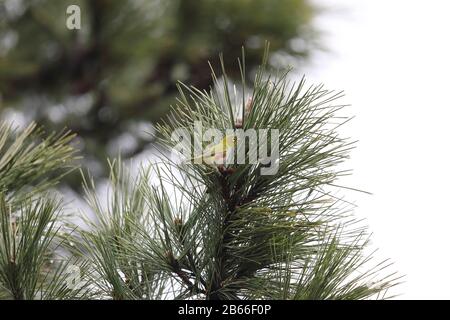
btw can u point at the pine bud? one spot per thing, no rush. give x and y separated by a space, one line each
226 171
178 222
221 168
171 259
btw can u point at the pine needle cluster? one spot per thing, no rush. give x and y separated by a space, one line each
185 230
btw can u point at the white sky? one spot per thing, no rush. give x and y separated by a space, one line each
393 60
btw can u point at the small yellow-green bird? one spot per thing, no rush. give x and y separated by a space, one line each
217 154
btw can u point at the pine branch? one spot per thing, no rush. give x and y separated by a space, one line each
251 215
186 230
29 163
28 240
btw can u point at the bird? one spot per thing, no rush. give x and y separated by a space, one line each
217 154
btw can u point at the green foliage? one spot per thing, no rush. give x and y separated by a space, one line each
119 70
114 270
281 235
30 164
27 268
182 230
30 266
227 232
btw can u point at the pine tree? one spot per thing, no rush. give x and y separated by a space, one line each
185 230
118 72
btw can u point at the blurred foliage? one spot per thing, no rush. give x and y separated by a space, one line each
116 76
